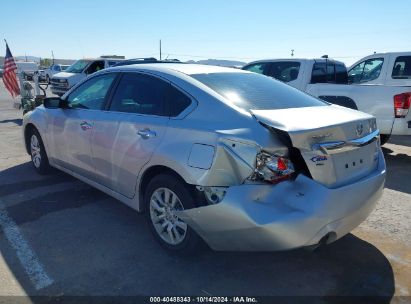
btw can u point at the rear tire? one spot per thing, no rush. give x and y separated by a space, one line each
38 153
384 139
164 195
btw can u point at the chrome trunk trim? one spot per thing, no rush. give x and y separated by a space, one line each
339 146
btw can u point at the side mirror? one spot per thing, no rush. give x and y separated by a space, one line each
54 103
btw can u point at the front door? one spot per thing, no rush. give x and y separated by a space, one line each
72 127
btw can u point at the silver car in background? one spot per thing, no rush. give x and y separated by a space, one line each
237 159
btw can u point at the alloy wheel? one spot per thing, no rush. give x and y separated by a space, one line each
35 151
164 204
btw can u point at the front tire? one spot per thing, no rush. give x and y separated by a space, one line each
38 153
166 194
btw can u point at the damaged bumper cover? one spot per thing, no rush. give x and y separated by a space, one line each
288 215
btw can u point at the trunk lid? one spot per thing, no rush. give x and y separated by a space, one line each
338 145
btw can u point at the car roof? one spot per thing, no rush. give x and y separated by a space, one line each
296 59
188 69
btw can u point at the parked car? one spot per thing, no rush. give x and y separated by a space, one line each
238 159
63 81
54 69
328 80
28 68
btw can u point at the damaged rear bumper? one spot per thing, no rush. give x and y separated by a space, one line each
285 216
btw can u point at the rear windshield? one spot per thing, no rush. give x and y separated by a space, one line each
251 91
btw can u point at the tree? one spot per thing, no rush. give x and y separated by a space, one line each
46 62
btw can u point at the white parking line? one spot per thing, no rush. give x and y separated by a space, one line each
25 254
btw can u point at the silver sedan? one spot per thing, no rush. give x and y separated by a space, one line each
230 157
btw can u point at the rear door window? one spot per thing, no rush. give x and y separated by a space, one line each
402 68
141 94
330 72
341 75
177 101
319 74
285 71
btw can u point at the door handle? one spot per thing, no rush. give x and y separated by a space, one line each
146 133
85 126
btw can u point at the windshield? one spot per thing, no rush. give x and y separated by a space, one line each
252 91
64 67
78 66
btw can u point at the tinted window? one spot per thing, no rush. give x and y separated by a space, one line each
256 92
402 68
92 93
341 75
178 101
330 72
319 74
284 70
259 68
95 67
366 71
141 94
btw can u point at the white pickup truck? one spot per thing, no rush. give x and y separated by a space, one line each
63 81
379 84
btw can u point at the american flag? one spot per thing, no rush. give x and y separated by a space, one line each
9 74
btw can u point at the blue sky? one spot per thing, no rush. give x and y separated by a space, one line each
231 29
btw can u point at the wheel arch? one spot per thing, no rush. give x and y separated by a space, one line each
27 131
149 174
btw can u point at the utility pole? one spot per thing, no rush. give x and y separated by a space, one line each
52 56
292 53
160 49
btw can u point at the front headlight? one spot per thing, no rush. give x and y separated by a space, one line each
272 168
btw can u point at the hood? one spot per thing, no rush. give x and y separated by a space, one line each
64 75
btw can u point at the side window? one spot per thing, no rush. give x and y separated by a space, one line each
330 72
92 93
366 71
259 68
57 68
402 68
355 74
140 94
285 71
341 75
177 101
372 69
95 67
319 74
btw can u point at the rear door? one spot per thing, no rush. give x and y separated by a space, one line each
129 130
71 127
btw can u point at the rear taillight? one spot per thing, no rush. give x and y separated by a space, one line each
272 168
402 104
